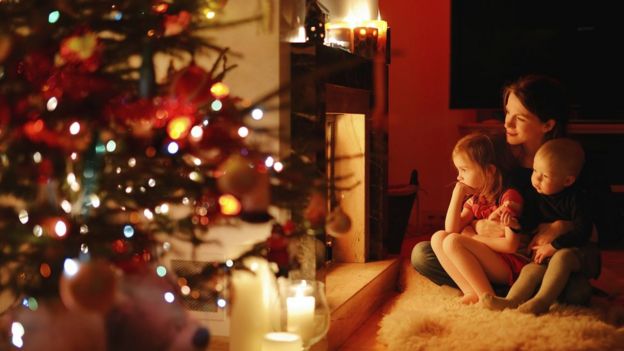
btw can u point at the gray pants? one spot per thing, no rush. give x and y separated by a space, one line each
577 291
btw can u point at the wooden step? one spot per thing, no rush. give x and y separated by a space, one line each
354 292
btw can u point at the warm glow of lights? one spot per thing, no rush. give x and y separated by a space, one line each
95 200
221 303
243 132
73 156
45 270
160 8
54 16
209 14
196 133
71 178
60 228
111 145
269 161
173 147
17 332
52 104
148 214
185 290
128 231
230 206
278 167
179 127
257 114
169 297
216 105
23 216
34 127
219 90
37 157
38 231
70 267
132 162
66 206
74 128
161 271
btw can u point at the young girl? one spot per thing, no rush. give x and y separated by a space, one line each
472 260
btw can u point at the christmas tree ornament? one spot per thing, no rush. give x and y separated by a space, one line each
192 85
91 288
237 175
176 24
338 223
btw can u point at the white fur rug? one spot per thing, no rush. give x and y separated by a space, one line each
429 317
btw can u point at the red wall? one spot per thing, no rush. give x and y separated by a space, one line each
422 129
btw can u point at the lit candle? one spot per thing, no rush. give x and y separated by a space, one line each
253 295
365 41
339 34
382 28
300 311
281 342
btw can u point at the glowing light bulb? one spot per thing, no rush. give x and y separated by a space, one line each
70 267
230 206
74 128
216 105
60 228
269 161
179 127
54 16
243 132
52 104
278 167
219 90
257 114
173 148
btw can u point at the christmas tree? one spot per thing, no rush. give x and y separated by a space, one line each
100 164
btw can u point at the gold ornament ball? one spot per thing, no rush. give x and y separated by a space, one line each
92 288
237 176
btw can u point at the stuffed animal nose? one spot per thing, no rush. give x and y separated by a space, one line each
201 338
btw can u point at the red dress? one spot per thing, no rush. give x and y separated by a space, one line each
482 209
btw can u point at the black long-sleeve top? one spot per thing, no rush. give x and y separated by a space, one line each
571 204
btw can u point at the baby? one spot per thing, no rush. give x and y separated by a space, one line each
556 166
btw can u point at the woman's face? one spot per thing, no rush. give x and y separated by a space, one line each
521 126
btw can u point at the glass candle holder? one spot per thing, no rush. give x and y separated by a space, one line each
304 310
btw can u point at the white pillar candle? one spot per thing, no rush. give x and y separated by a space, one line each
282 342
300 311
253 300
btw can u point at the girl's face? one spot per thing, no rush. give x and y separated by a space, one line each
521 126
468 172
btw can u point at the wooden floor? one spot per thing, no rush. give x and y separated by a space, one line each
611 281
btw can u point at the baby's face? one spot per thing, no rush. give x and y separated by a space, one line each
546 179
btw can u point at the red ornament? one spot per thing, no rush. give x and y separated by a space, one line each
192 85
92 288
176 24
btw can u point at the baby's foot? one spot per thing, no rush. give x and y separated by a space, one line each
469 299
534 306
496 303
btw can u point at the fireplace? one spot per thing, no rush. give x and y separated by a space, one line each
336 93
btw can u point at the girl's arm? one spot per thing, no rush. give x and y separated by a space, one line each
506 244
457 217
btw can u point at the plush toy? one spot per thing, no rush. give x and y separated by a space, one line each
140 319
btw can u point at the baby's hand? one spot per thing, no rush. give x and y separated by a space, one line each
542 252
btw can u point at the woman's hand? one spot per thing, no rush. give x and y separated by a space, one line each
542 252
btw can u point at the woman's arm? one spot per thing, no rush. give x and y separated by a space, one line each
457 217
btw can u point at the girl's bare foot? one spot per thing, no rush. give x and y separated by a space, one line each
469 299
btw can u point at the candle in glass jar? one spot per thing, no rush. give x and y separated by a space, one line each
300 311
281 341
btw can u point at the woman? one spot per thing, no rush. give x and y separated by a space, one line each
536 110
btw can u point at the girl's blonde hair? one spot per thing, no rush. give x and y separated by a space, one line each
480 149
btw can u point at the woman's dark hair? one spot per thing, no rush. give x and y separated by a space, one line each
544 97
